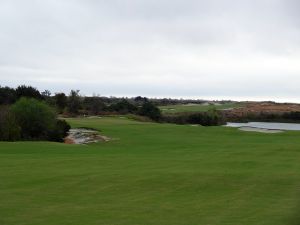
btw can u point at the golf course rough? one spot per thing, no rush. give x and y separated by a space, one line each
153 174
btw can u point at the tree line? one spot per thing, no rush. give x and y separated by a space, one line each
75 104
28 114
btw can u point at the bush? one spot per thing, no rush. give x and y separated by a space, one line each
59 132
123 107
211 118
9 129
34 117
37 121
150 110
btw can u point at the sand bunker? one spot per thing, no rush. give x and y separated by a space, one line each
261 130
84 136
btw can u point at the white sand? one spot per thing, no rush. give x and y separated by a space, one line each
260 130
85 136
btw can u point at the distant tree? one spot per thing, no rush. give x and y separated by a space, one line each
61 101
94 104
7 95
74 103
28 91
35 118
140 99
150 110
46 95
123 107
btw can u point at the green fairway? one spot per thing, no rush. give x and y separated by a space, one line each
197 107
153 174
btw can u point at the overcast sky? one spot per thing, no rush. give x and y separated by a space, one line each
212 49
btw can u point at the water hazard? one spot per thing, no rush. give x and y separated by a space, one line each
267 125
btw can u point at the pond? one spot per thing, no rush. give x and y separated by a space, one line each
267 125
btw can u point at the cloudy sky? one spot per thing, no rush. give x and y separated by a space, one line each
212 49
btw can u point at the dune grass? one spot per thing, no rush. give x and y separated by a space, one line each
153 174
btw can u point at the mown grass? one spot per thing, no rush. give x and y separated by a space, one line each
153 174
170 109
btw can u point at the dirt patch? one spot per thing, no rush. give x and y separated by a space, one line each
68 140
84 136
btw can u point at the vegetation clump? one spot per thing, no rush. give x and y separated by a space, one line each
31 119
123 107
27 91
210 118
148 109
9 128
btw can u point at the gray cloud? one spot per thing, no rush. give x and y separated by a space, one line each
201 49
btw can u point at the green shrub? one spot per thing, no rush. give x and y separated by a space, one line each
9 129
210 118
35 118
37 121
148 109
123 107
59 132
